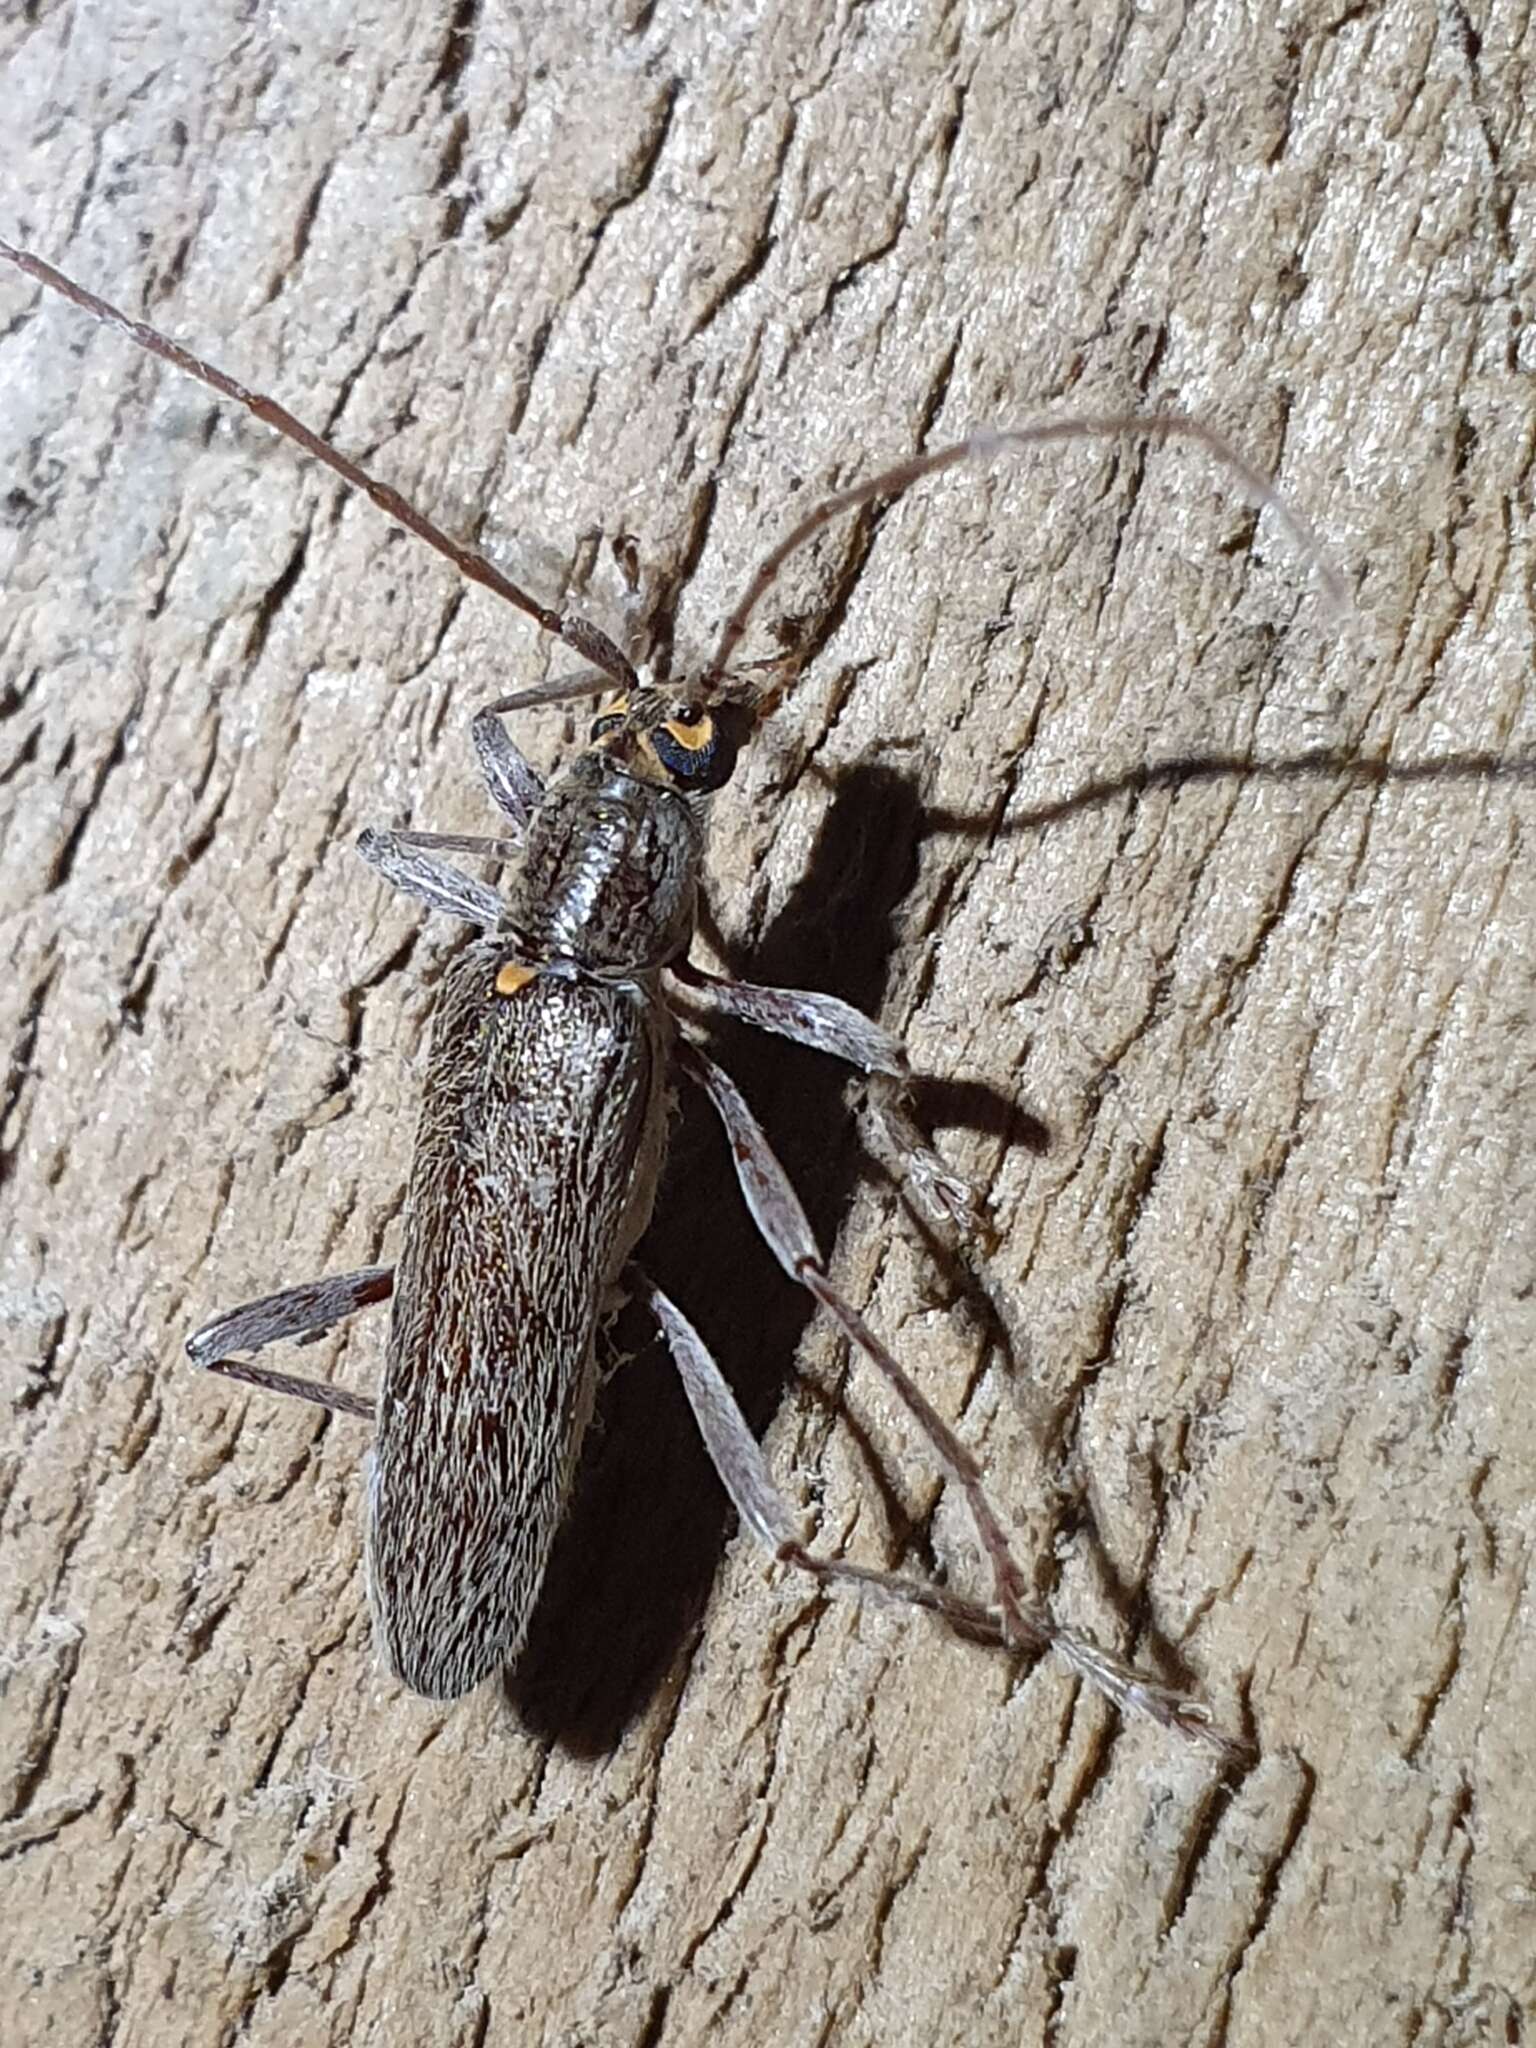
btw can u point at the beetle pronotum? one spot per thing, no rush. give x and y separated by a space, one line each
542 1128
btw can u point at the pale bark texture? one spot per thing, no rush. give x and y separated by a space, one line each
1207 913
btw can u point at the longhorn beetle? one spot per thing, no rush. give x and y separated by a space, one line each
543 1127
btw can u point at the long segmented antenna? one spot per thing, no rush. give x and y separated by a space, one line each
985 442
587 640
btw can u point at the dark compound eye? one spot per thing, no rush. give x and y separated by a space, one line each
608 721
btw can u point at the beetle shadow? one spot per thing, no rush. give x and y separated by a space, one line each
642 1542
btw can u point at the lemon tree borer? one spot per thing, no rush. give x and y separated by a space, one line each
556 1033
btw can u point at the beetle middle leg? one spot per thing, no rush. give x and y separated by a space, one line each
405 860
399 858
827 1024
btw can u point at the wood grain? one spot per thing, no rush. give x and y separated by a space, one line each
1209 915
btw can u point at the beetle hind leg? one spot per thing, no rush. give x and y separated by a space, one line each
738 1459
298 1315
743 1470
776 1210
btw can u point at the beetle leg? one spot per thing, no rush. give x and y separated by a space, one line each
776 1209
738 1459
478 843
830 1025
514 783
297 1315
397 857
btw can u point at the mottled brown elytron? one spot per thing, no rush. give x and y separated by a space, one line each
555 1037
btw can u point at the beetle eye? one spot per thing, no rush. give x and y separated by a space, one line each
696 746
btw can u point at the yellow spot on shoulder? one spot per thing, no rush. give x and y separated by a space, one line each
512 976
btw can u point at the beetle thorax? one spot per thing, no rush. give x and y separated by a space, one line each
609 872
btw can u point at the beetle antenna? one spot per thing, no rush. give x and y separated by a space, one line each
982 445
589 641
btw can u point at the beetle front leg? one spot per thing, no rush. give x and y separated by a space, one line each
515 784
829 1025
298 1315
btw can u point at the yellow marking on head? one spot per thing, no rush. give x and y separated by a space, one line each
511 976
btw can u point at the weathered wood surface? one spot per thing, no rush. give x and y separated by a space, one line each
1213 917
